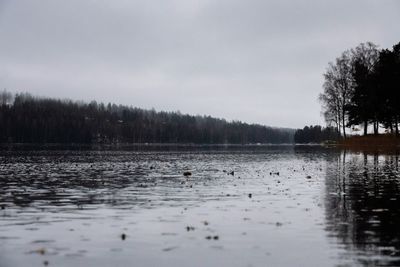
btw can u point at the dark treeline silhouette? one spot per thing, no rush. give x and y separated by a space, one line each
28 119
316 134
362 88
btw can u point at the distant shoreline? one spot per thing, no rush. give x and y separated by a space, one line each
381 140
146 144
136 147
28 119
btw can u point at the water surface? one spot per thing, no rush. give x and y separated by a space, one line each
281 206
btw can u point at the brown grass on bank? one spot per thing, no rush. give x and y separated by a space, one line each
381 142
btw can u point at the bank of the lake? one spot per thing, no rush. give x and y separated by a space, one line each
385 142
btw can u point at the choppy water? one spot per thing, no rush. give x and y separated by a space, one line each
282 206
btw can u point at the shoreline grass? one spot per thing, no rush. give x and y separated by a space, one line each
377 143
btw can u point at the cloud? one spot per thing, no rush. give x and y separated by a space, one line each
256 61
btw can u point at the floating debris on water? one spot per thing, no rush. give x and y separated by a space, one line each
190 228
40 251
170 248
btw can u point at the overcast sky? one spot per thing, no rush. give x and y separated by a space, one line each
255 61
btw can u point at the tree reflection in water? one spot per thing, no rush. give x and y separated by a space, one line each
363 206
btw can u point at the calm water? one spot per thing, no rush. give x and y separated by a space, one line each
282 206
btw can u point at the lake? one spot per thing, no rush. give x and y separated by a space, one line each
241 206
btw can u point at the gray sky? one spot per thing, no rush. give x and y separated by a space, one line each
257 61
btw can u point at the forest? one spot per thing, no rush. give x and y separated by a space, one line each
362 89
28 119
316 134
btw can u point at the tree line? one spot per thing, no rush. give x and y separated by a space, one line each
316 134
28 119
362 89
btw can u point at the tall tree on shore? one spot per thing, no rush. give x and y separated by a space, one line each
364 104
331 105
363 87
359 110
386 90
337 93
388 80
396 85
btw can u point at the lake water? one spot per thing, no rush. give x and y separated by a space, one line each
281 206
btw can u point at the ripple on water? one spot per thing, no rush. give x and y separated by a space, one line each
237 208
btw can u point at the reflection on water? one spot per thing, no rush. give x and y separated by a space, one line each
363 206
253 206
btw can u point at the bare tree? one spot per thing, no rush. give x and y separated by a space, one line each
331 108
338 88
365 55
